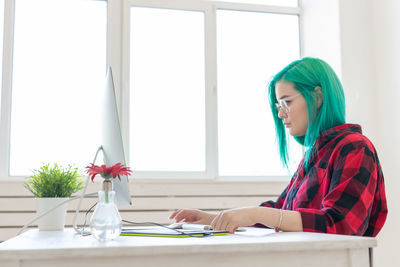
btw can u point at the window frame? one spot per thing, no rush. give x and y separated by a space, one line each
209 8
5 116
118 15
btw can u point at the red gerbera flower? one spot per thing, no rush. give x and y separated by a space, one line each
108 172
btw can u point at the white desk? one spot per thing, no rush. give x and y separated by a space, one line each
255 247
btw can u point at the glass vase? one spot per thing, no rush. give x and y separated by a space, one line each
106 223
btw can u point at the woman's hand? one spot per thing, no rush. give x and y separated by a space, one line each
230 220
192 216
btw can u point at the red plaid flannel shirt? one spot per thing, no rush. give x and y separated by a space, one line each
343 190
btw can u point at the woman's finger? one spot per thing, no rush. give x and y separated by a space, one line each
217 221
213 222
187 215
174 214
224 224
231 228
181 215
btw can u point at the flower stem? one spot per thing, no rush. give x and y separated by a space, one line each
107 187
106 195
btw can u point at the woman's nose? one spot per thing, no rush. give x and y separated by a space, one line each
282 114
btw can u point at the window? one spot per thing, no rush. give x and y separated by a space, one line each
288 3
251 48
1 43
167 90
191 80
198 86
59 66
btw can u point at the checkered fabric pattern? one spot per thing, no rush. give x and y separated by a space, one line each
343 191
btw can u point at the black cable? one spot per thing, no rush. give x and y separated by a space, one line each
204 234
84 222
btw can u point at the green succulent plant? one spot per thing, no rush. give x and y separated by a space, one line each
54 181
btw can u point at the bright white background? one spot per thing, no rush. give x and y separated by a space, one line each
1 43
57 78
168 93
56 83
246 134
266 2
167 90
368 39
366 53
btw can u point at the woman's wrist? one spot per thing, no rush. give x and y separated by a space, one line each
285 220
257 215
270 217
211 217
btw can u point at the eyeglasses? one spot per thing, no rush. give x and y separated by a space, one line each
284 104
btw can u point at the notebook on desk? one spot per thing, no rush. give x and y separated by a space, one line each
165 232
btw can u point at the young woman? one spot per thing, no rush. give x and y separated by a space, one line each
338 187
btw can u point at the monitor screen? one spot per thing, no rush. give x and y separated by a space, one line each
111 139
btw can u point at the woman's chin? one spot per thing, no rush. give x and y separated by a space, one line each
293 132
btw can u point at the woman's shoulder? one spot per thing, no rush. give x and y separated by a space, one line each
353 140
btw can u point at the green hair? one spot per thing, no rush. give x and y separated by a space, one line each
306 74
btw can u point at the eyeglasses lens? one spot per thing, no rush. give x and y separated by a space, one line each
282 105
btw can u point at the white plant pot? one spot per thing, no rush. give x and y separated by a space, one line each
54 220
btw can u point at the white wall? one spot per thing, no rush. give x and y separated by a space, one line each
370 42
386 63
321 32
338 32
361 40
357 64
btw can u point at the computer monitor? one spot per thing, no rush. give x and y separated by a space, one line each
111 139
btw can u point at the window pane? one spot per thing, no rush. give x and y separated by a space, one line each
167 95
58 71
288 3
1 45
251 48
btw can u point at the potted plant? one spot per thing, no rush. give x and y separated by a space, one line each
52 185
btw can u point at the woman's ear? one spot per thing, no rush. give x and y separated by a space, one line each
320 97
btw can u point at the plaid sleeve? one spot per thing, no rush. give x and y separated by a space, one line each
274 204
278 203
346 208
